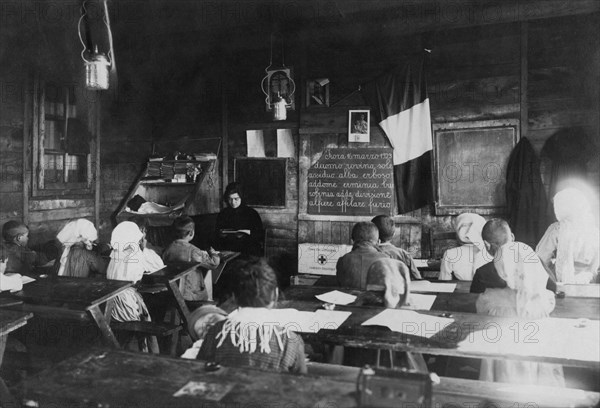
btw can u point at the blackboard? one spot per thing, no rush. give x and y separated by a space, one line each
263 180
351 181
470 165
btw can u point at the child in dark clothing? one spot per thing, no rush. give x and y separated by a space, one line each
385 225
21 259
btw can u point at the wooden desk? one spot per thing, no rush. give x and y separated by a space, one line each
170 276
590 290
120 378
551 340
74 298
10 320
226 257
568 307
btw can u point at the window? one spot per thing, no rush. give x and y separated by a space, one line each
62 143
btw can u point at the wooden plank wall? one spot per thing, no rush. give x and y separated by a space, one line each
12 102
564 82
474 74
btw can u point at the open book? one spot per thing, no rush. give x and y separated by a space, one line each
243 231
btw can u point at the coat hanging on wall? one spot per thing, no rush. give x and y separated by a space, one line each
529 212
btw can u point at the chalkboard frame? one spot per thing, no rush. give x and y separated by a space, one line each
282 161
476 206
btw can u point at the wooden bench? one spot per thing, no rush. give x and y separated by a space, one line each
141 329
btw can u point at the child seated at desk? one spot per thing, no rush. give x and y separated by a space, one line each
193 285
351 269
462 262
248 337
128 263
78 259
392 277
570 247
20 258
385 225
525 296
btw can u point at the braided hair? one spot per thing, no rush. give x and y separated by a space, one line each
254 282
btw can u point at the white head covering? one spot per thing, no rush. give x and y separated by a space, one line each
468 227
126 258
80 230
520 267
578 240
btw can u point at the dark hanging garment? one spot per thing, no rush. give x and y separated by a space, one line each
569 150
529 213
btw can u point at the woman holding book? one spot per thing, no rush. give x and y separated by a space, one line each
239 227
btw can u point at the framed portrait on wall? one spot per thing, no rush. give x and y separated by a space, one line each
359 126
317 92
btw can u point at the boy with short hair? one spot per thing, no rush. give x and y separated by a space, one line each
180 250
385 225
21 259
496 232
351 269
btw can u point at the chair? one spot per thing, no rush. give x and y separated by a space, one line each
167 332
439 242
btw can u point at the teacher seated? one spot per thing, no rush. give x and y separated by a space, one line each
239 227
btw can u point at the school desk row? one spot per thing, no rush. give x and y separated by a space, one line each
111 378
89 299
449 329
591 290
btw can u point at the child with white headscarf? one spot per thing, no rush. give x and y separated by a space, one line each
128 262
78 259
570 247
462 262
525 296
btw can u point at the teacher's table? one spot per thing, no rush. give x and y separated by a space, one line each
568 307
169 277
117 378
564 341
73 298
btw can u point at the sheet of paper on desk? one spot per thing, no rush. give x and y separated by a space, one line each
312 322
26 279
409 322
417 301
204 390
427 286
336 297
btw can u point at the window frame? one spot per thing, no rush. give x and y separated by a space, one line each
40 186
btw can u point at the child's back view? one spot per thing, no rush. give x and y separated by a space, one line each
180 250
249 337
